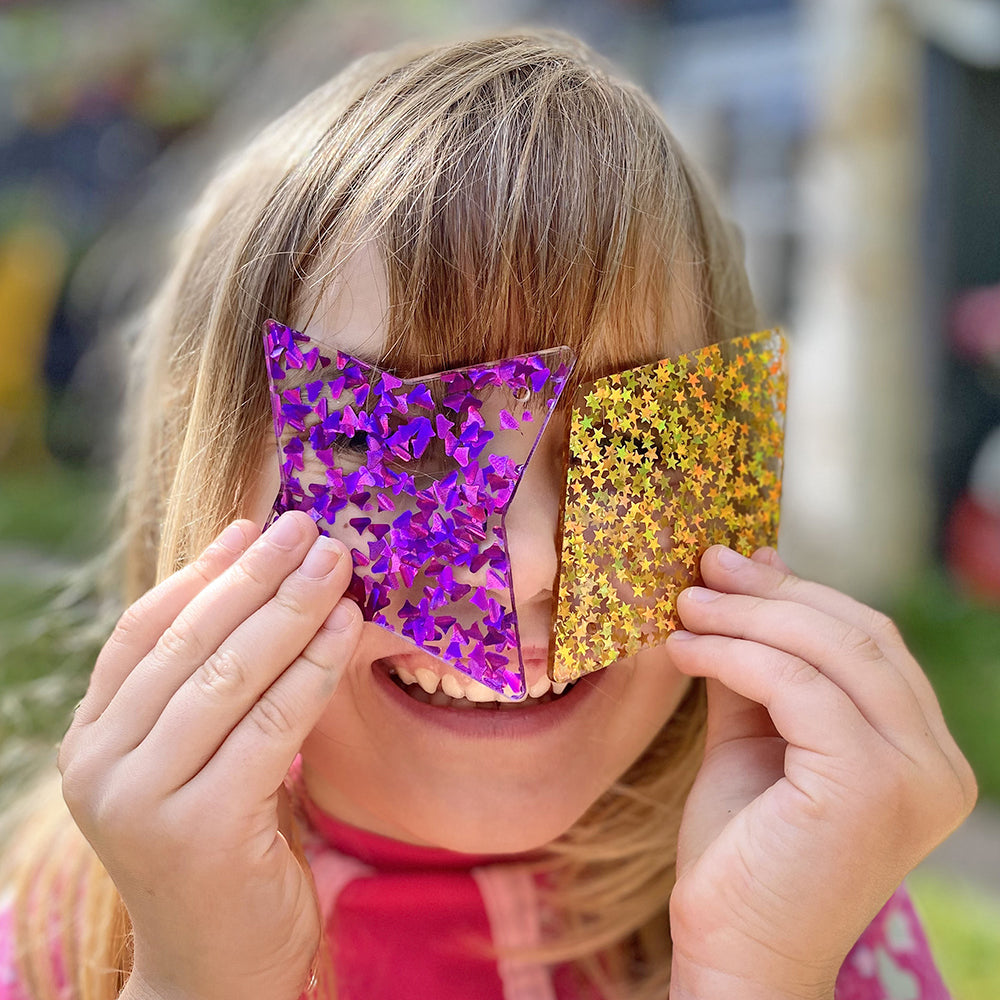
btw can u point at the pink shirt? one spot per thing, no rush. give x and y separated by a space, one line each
400 915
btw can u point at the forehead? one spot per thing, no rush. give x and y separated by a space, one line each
349 312
349 309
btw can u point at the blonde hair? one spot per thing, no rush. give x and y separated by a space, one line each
519 197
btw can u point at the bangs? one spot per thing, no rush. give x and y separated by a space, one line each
520 202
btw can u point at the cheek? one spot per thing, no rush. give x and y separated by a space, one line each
648 700
264 485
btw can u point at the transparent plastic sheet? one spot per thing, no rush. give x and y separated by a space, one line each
664 461
416 478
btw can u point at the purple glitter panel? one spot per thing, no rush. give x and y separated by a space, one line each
416 476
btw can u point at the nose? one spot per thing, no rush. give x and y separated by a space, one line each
532 523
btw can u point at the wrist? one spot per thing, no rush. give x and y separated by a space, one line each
696 983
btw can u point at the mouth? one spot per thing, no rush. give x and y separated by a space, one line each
457 691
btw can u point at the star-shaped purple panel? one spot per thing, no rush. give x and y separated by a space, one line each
416 476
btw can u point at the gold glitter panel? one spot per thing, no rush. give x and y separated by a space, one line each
664 461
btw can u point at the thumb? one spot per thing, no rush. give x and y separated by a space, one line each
733 717
744 756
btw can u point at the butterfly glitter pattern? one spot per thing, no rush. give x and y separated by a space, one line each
416 477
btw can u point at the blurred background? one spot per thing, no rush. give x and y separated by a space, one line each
855 142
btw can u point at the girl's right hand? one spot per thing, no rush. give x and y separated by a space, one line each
174 763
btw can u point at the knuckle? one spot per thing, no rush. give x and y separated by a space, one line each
252 570
793 670
130 621
180 640
755 605
860 643
273 716
202 567
970 787
908 785
957 790
289 601
786 587
223 673
75 787
958 800
882 625
83 791
65 757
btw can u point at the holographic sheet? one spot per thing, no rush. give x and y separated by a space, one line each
664 461
415 476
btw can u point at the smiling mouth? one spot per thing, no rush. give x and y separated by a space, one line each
454 690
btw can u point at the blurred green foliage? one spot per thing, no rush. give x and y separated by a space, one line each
52 527
963 926
957 641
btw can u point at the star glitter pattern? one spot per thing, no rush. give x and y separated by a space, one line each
664 461
416 476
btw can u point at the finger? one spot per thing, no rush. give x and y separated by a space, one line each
732 717
727 780
144 622
220 692
725 570
843 652
770 557
200 628
807 708
276 726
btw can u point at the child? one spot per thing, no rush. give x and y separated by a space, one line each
281 804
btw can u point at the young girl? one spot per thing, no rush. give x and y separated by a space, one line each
275 805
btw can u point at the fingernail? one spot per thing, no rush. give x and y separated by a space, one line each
731 560
678 635
702 595
320 559
341 617
285 532
233 538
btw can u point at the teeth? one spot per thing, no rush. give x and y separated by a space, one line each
405 675
461 692
539 687
451 686
427 679
479 693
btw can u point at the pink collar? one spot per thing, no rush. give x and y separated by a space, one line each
387 854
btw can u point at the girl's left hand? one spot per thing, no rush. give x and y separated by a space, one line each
828 775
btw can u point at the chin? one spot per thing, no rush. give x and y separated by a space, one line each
432 768
517 830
